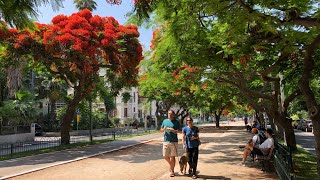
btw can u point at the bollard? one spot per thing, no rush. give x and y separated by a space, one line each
114 135
11 150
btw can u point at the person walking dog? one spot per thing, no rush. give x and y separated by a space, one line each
191 142
170 127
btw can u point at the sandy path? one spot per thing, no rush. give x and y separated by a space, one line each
218 159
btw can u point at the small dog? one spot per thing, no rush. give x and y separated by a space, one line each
183 161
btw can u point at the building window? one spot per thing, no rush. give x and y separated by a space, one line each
140 113
134 109
134 97
125 112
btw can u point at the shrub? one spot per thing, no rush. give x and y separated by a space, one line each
115 122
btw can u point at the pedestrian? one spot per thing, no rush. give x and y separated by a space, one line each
170 127
245 119
191 142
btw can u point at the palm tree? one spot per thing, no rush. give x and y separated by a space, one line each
85 4
21 13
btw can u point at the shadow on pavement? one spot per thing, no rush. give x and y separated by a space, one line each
137 154
212 177
65 155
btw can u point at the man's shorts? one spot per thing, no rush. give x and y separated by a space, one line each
257 151
170 149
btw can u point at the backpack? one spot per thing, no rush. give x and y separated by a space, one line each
262 138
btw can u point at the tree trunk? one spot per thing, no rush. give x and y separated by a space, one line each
159 121
106 118
314 110
290 137
52 113
67 119
316 132
285 129
217 116
304 85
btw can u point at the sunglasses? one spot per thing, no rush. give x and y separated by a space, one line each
189 120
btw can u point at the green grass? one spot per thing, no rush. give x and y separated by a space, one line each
304 164
69 146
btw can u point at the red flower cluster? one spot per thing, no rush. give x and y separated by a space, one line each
154 38
80 44
185 67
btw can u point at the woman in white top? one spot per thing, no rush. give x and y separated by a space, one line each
255 138
262 149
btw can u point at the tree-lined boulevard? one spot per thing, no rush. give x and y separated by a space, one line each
208 59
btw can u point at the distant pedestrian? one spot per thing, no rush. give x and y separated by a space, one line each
170 127
245 119
191 142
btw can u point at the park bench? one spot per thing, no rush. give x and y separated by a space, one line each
266 159
281 157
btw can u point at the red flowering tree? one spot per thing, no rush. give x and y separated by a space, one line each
74 47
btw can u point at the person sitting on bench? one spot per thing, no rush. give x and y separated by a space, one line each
262 149
255 138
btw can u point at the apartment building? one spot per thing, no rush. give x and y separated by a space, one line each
136 108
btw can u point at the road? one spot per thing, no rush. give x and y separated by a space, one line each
306 140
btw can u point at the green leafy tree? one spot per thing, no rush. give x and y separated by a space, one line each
20 13
246 54
85 4
238 32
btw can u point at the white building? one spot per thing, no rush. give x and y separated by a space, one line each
136 108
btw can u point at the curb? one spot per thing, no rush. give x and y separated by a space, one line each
73 160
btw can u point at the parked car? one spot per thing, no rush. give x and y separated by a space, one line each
295 123
307 126
38 130
301 124
195 121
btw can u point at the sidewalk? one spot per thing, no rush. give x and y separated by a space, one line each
218 159
15 167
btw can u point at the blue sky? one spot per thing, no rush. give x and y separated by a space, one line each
46 13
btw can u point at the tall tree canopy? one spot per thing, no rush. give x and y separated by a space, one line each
85 4
252 43
21 13
73 48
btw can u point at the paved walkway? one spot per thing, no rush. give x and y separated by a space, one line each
218 159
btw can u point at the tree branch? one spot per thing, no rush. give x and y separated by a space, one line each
290 98
306 21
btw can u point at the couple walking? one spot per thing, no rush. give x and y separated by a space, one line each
190 142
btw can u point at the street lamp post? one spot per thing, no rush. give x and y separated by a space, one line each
90 119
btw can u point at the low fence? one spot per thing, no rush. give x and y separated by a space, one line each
86 132
283 162
8 150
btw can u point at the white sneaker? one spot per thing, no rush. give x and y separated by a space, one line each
241 164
